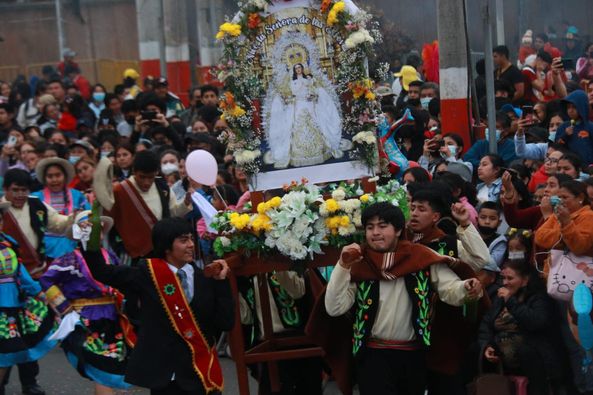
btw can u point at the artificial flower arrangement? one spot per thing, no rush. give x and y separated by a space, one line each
299 224
353 85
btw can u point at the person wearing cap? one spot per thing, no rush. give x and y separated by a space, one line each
508 72
55 174
130 81
573 48
89 309
138 202
26 323
68 56
406 75
78 149
174 105
505 143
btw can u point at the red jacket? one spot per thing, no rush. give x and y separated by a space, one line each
539 177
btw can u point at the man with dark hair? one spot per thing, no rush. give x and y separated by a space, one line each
209 95
195 103
26 220
505 143
7 122
428 91
82 84
452 333
173 103
138 202
390 283
184 310
56 88
507 71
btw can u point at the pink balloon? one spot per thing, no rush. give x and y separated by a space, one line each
201 167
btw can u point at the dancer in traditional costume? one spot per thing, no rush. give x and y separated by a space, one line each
184 309
26 323
91 333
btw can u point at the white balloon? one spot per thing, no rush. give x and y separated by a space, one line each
201 167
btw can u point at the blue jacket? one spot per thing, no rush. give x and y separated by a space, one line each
580 141
481 148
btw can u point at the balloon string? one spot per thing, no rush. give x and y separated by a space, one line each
220 197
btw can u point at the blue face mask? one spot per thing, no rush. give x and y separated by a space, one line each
487 134
424 102
552 136
98 96
73 159
105 154
452 149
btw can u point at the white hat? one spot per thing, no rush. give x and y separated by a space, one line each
43 164
106 222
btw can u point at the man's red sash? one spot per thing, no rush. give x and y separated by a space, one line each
205 358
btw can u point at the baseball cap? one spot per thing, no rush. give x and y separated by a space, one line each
408 74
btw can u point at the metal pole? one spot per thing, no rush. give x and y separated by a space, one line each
500 39
488 26
61 39
192 38
162 40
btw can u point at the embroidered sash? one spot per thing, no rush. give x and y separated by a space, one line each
138 203
205 358
60 208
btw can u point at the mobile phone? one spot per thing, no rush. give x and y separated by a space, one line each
148 115
11 141
527 113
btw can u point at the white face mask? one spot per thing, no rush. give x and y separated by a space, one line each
516 255
168 168
487 134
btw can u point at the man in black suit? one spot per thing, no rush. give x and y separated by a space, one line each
175 352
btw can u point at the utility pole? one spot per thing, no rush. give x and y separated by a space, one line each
61 39
453 64
488 19
162 40
193 42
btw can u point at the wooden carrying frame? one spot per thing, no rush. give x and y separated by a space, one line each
273 347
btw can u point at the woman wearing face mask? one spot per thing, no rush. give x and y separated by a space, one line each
521 330
530 217
97 103
489 172
55 175
108 146
170 166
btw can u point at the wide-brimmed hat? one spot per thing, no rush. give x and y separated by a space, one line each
106 222
43 164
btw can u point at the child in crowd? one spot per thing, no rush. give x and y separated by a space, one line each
489 219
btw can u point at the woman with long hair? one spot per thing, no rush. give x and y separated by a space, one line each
55 174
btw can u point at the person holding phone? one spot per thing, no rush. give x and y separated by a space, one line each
575 133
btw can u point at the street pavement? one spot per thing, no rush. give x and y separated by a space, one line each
58 377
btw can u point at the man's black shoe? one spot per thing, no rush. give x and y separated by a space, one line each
33 389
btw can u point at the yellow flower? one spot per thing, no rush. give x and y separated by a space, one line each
261 208
261 222
331 205
339 6
369 95
275 202
332 18
231 29
344 221
236 112
364 198
239 221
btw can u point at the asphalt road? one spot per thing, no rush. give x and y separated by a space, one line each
57 376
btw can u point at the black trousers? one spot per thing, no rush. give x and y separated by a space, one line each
27 373
297 376
391 372
174 389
